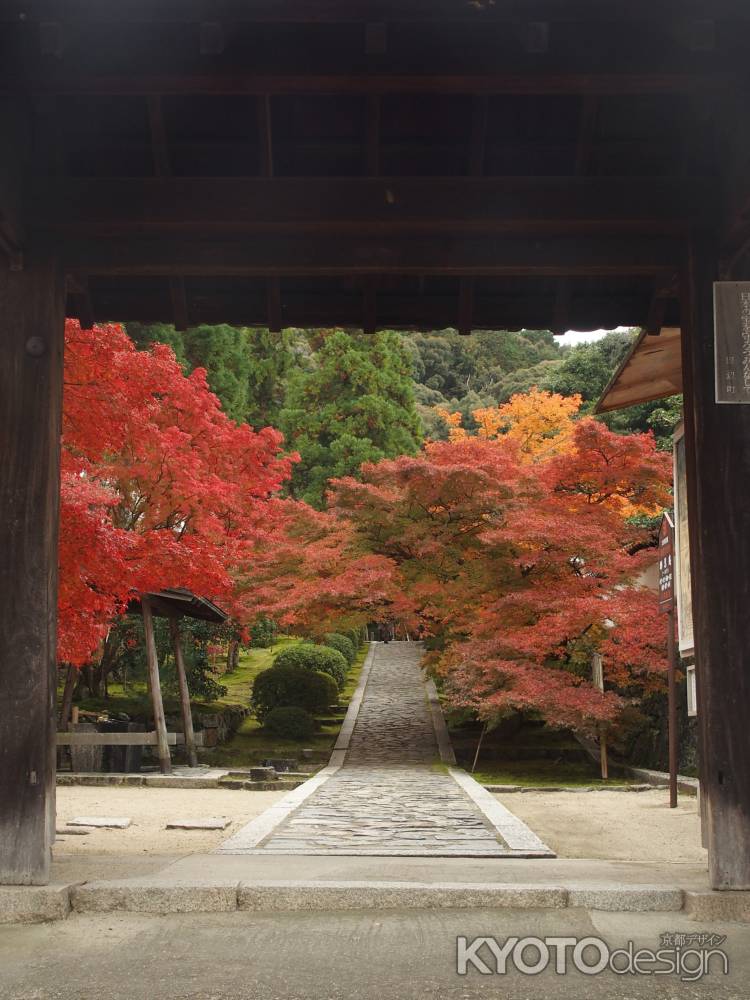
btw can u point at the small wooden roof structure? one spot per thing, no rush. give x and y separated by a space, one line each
652 369
177 602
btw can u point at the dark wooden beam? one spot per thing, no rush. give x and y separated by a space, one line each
77 288
498 204
15 136
561 321
372 136
368 11
537 82
478 136
265 136
32 314
159 145
586 134
178 295
717 441
465 306
352 254
273 305
369 306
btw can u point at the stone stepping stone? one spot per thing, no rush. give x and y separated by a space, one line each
113 822
68 831
209 823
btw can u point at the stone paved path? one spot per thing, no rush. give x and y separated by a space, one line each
389 797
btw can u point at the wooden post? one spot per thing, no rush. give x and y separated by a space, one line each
672 708
603 759
160 723
479 747
187 715
717 442
31 355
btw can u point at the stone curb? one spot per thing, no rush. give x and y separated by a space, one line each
280 896
150 896
515 833
660 779
729 904
445 747
37 904
32 904
350 719
626 899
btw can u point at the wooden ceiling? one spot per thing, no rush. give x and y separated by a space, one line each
402 163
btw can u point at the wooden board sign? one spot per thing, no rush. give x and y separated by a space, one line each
666 564
732 341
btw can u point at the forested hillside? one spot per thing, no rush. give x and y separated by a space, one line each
342 399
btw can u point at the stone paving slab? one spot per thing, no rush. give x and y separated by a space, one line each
103 822
209 823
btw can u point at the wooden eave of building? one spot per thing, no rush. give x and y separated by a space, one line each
177 602
652 369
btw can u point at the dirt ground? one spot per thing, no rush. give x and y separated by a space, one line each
617 826
145 845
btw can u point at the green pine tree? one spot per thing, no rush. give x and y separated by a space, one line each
352 403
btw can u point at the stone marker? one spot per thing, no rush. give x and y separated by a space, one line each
210 823
116 822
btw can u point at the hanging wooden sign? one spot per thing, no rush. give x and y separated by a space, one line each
666 564
732 341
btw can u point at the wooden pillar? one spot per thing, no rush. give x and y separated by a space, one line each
32 314
160 723
717 439
187 715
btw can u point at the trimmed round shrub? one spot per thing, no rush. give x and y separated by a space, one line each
290 723
312 657
355 635
263 633
290 686
345 646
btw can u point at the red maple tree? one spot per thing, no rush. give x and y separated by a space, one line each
518 570
159 487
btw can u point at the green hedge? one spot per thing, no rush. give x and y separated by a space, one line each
292 686
290 723
345 646
312 657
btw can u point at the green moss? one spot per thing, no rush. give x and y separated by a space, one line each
543 772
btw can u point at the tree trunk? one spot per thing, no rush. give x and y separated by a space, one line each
66 705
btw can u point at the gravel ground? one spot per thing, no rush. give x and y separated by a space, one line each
619 826
145 845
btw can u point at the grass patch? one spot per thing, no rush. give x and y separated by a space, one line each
543 772
251 742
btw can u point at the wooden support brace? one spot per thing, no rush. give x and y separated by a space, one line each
187 715
160 724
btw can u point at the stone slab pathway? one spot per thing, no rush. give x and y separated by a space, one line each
392 795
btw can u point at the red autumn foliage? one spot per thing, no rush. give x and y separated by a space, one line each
519 569
159 487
